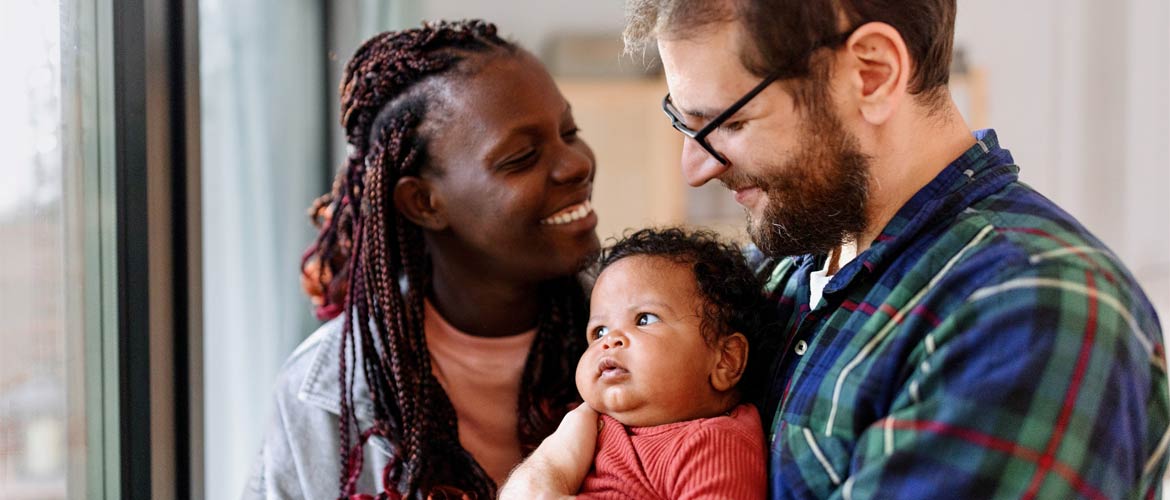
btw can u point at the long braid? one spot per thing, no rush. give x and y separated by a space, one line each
346 226
365 249
545 395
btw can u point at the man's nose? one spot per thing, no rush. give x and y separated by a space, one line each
698 166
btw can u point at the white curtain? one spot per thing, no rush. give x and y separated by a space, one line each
265 157
270 142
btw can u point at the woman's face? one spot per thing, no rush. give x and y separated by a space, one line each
510 174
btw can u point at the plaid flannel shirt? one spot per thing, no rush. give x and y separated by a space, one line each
985 346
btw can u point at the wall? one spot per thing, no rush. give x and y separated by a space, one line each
1078 91
531 22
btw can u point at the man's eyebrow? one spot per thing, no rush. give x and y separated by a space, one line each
705 114
701 114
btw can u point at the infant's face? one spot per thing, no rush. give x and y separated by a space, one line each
647 362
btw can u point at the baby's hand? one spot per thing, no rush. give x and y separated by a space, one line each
577 437
559 465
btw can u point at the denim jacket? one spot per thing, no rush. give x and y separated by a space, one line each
300 457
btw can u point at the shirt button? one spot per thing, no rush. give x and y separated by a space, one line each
801 347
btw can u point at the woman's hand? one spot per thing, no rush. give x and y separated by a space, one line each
558 466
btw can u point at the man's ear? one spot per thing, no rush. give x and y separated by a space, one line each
876 64
733 353
419 203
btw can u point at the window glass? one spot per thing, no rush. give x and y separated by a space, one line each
43 435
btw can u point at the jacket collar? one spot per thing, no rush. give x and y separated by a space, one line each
322 386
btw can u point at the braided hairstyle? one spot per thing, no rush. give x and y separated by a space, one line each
374 261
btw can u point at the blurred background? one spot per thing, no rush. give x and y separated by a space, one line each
1078 90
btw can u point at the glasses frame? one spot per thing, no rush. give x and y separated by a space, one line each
700 135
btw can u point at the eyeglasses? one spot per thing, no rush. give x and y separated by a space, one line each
700 136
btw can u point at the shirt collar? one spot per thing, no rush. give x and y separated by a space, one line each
981 170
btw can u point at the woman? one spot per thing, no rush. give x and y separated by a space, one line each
450 247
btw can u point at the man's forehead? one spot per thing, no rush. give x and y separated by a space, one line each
704 70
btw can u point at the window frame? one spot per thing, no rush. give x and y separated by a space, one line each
141 272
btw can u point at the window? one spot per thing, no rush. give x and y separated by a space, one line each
44 433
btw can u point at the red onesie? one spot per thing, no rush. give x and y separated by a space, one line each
719 457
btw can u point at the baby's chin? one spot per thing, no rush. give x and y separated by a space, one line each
632 410
644 419
629 411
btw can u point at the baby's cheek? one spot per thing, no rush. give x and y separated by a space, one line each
584 384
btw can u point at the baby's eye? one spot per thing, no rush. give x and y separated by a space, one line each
599 332
647 319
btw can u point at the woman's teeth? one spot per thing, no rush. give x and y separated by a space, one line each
569 214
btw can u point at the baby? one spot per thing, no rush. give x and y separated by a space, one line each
671 316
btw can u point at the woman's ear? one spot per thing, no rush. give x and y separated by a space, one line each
876 64
733 352
415 200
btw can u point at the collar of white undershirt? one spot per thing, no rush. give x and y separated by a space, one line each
817 280
816 285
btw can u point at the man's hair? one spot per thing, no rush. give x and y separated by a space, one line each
784 32
733 297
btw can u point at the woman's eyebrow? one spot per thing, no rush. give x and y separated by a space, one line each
508 140
528 129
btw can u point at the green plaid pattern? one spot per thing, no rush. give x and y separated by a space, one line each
986 346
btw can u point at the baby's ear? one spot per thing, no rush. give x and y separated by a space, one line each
733 352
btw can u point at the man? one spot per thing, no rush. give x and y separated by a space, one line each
946 331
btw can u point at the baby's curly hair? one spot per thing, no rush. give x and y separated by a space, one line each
733 296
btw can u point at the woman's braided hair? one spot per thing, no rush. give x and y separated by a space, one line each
373 260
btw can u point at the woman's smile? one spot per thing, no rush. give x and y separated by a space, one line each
569 214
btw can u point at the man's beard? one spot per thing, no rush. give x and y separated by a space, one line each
817 200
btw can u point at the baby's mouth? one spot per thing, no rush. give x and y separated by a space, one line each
609 368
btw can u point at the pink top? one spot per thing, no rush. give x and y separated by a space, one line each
718 457
482 378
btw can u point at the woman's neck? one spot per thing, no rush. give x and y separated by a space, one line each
481 305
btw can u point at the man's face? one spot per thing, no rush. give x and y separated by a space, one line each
799 175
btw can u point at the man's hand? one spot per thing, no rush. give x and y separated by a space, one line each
558 466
